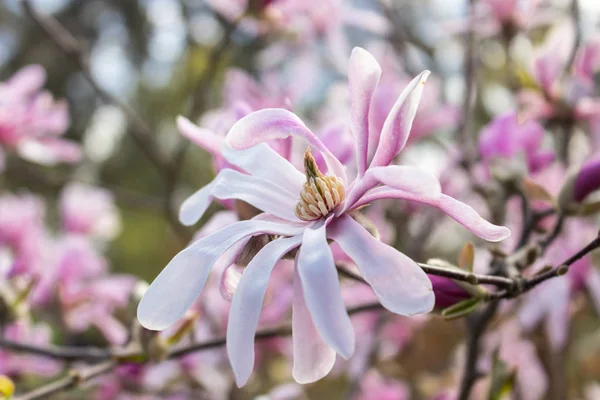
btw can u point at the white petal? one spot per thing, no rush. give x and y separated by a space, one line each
195 206
179 284
363 76
313 358
399 283
247 304
319 279
398 123
264 162
261 193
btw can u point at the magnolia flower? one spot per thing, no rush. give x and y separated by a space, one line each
89 210
31 121
302 212
518 143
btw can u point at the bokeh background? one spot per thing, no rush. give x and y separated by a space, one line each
172 57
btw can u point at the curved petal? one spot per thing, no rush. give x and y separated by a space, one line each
247 303
313 358
363 76
278 123
396 127
264 162
261 193
230 184
204 138
470 219
399 283
319 279
457 210
179 284
407 178
194 207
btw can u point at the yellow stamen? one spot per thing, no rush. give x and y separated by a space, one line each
320 194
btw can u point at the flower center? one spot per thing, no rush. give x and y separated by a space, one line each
320 194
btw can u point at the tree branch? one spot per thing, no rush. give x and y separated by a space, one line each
73 378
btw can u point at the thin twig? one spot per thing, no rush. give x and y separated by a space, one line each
73 379
563 268
464 132
64 353
576 17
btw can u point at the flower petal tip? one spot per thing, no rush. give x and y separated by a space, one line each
498 234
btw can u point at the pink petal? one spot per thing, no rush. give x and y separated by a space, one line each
50 151
319 279
313 358
363 76
407 178
397 125
27 80
205 138
247 304
457 210
399 283
179 284
278 123
470 219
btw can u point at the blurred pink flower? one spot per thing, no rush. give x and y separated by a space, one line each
521 356
306 215
22 232
89 210
31 122
375 387
564 96
507 139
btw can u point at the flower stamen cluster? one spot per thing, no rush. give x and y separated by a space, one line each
320 194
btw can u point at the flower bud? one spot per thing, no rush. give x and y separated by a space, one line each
578 185
587 180
447 292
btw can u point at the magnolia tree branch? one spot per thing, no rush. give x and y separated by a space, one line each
74 378
477 323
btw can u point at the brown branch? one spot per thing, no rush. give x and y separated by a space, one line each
73 379
465 128
576 17
64 353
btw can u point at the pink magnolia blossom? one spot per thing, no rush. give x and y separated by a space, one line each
22 232
566 98
507 139
87 295
31 122
305 210
89 210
